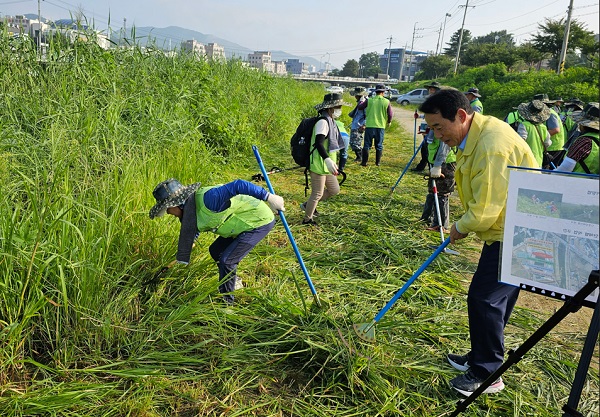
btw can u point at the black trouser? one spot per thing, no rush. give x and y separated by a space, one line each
424 155
229 251
490 305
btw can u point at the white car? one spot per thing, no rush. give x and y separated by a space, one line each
335 89
416 96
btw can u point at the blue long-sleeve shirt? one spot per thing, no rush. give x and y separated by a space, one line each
216 199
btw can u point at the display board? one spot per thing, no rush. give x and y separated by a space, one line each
551 235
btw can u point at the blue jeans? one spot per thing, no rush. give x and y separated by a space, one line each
376 134
229 251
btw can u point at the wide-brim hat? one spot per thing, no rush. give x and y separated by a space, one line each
474 91
434 84
331 100
590 117
543 98
170 193
535 111
578 116
574 104
359 91
380 88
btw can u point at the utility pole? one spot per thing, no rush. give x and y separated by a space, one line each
412 47
466 6
443 31
387 71
563 51
438 42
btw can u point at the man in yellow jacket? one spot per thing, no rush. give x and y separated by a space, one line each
486 147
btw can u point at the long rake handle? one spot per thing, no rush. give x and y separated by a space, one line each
437 206
287 228
408 165
410 281
416 116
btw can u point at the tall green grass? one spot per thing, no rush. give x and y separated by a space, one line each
87 135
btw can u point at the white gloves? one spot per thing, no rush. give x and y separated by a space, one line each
547 143
331 166
435 172
275 202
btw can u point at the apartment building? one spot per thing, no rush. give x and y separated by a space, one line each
215 51
192 46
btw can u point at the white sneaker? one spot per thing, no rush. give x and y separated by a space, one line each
238 284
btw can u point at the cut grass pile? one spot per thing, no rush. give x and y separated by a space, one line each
86 140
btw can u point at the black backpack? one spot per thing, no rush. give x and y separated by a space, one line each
300 141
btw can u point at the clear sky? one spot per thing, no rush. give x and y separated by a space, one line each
332 31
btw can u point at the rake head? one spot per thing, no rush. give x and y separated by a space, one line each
365 331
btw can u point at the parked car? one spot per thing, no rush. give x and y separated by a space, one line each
416 96
335 89
391 94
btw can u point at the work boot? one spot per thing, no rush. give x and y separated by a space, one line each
420 166
378 154
342 163
358 156
365 157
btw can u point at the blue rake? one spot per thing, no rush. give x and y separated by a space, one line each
408 165
366 331
287 228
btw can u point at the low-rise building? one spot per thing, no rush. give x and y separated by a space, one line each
215 51
191 46
295 66
261 60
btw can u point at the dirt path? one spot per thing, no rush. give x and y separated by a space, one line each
574 323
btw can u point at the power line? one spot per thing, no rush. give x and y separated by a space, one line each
518 16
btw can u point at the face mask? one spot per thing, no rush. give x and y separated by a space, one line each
337 113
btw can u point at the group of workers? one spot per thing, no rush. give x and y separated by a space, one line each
467 150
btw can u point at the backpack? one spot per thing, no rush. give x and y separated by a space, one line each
300 141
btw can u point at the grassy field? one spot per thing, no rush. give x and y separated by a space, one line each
82 333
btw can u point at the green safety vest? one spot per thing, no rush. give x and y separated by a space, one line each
477 103
432 149
513 117
536 135
568 122
376 112
591 161
245 213
317 164
558 140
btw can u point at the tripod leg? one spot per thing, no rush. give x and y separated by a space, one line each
570 306
570 408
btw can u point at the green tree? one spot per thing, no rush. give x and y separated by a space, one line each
549 39
477 54
453 44
435 66
497 37
350 68
530 54
369 64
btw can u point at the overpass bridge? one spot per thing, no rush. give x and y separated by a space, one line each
347 81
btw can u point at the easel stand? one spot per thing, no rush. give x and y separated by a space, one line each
570 306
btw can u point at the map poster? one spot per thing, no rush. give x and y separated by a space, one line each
551 233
